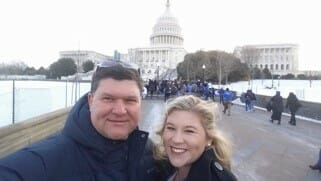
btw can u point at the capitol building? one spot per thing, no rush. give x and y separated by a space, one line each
166 50
159 60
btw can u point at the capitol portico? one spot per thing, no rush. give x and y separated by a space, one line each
165 51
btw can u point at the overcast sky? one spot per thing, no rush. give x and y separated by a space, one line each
34 31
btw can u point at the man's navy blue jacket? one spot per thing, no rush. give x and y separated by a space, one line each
79 153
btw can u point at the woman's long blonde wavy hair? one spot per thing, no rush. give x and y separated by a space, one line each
209 114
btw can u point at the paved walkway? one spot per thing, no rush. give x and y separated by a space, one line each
262 151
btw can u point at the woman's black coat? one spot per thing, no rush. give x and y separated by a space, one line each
206 168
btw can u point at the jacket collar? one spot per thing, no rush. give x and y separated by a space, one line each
208 167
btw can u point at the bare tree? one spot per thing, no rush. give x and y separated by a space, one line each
250 56
13 68
219 65
226 64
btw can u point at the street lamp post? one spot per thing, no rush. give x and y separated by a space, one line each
157 72
272 81
310 79
220 74
187 72
203 67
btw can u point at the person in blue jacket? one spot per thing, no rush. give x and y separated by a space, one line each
227 101
100 140
221 94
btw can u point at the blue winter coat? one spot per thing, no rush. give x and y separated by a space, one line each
80 153
227 96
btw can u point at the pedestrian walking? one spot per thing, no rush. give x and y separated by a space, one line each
293 104
227 101
249 100
168 91
212 93
277 107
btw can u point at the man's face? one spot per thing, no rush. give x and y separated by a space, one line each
115 108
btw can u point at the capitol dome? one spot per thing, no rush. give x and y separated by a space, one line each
167 31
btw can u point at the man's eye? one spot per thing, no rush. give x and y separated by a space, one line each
131 100
107 98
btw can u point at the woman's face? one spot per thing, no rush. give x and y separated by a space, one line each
184 138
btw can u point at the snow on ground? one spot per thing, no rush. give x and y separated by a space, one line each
33 98
263 87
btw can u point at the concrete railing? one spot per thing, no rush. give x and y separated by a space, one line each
309 109
16 136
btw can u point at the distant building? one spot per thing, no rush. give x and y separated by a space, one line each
81 56
165 52
280 59
312 73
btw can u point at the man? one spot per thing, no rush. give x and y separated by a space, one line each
249 100
100 140
227 101
293 103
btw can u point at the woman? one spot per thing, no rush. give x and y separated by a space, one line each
293 104
192 143
277 107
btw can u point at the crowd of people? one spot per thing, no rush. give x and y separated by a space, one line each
174 88
206 91
198 88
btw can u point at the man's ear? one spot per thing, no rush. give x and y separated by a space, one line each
90 98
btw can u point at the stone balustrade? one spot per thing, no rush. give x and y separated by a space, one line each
16 136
